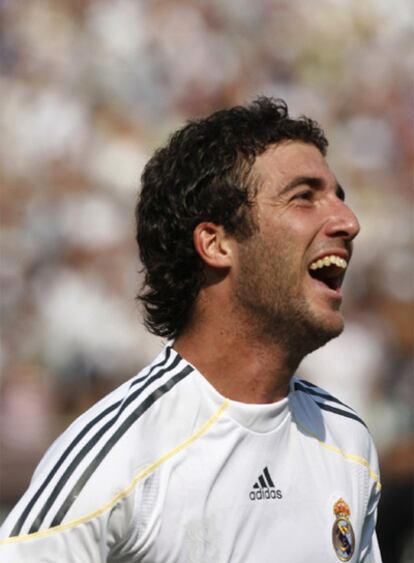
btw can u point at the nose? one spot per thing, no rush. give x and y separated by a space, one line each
343 222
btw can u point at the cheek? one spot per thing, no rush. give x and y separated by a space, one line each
296 238
287 252
276 252
278 268
297 228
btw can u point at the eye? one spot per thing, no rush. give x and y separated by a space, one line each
340 193
305 195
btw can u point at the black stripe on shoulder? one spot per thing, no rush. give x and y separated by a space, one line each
103 452
160 364
85 430
20 522
307 383
312 391
341 412
92 442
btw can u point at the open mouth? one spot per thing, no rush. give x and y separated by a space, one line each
329 270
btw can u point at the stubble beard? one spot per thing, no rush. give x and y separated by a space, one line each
269 289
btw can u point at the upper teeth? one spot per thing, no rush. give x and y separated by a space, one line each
327 261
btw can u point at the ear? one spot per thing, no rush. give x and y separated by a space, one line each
213 245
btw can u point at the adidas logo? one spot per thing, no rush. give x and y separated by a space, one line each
264 488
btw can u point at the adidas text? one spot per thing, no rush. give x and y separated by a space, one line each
265 494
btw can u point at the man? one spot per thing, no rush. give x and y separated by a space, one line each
218 451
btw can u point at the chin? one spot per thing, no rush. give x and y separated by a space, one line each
330 330
320 330
307 331
328 317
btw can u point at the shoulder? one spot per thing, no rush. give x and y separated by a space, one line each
328 419
101 453
113 418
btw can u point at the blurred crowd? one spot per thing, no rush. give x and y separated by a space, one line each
88 89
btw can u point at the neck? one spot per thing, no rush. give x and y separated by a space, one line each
242 364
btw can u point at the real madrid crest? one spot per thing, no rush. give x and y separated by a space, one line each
343 537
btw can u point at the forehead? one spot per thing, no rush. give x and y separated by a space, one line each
280 164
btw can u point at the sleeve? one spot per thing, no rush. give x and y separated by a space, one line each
71 545
98 536
93 527
370 552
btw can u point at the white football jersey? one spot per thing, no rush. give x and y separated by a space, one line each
166 470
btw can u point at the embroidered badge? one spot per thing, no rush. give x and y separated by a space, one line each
343 537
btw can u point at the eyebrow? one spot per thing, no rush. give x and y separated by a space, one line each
313 182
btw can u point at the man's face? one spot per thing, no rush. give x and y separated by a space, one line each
289 272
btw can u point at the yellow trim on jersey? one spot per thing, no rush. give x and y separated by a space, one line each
139 477
351 457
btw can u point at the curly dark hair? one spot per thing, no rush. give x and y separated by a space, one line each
203 174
